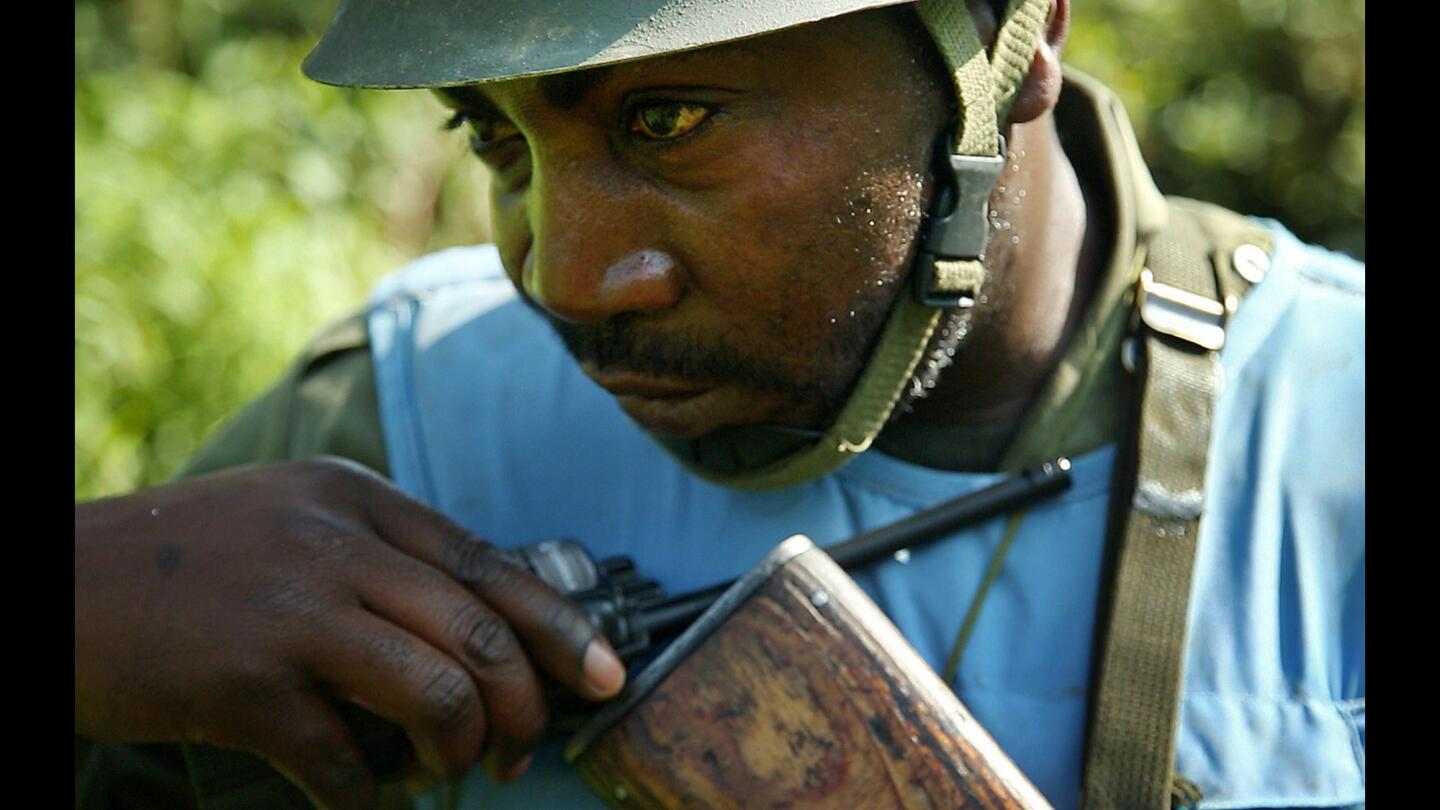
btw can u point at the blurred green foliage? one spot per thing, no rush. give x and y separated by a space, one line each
226 208
1257 105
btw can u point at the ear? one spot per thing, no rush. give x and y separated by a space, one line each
1041 89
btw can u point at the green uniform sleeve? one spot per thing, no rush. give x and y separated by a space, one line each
133 776
325 405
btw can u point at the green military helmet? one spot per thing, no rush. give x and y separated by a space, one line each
445 43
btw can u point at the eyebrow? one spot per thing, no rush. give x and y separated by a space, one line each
471 99
564 91
567 91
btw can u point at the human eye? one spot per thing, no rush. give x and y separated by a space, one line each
668 120
486 133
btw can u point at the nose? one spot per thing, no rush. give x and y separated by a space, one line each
595 250
584 290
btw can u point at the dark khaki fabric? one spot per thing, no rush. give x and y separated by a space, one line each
110 776
325 405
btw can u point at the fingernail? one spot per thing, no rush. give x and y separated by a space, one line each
604 674
504 774
518 769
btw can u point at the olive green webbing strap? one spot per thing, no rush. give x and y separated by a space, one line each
984 88
1131 755
894 359
1021 453
985 83
955 35
972 616
1131 739
1014 50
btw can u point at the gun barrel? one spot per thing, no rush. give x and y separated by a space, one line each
1008 495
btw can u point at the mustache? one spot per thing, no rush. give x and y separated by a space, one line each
625 343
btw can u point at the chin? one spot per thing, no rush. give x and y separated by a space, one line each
690 417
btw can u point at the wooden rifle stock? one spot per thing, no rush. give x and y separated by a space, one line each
794 690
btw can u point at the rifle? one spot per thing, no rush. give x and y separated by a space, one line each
792 688
787 687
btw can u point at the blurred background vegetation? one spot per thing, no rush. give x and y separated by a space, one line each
226 208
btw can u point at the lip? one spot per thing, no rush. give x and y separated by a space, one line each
667 406
643 387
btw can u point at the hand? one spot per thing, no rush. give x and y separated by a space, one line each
235 608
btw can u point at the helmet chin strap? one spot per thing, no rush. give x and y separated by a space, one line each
949 266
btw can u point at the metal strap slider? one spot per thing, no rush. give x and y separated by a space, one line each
1181 314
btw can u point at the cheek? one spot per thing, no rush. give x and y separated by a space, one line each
510 230
813 244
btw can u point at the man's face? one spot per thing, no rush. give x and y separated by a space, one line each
718 236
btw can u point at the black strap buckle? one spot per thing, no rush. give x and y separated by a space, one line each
959 225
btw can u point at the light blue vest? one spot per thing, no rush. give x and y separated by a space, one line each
487 418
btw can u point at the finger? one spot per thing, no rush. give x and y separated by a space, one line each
426 602
417 781
554 630
303 737
401 677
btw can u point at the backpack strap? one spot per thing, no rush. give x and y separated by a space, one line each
1195 271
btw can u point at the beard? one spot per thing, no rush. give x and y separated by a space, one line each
630 342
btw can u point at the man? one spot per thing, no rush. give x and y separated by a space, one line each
756 232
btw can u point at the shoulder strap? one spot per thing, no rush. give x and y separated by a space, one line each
1196 269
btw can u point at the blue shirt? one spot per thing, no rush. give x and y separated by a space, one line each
487 417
